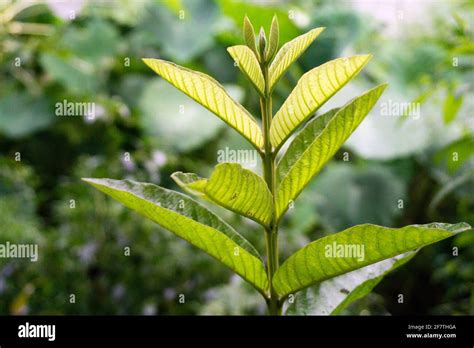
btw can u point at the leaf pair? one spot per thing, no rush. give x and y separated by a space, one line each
251 41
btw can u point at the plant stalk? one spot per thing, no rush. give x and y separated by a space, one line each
271 232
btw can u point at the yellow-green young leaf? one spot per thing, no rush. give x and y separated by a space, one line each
316 144
191 183
313 89
273 40
352 249
248 64
290 52
210 94
249 35
242 191
233 187
190 221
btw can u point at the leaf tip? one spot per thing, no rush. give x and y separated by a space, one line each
148 61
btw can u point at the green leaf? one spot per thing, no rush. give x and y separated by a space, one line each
210 94
248 64
190 221
23 114
233 187
333 295
273 40
320 260
249 35
313 89
451 106
290 52
317 143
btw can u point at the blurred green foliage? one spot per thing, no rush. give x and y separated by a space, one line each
145 130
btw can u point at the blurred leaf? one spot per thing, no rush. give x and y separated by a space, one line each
456 154
451 107
97 41
174 119
181 38
22 114
77 76
17 203
345 195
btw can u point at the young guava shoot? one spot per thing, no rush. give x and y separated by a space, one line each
313 138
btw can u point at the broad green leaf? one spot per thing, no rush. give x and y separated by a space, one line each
273 39
209 93
313 89
290 52
249 35
317 143
233 187
190 221
354 248
333 295
248 64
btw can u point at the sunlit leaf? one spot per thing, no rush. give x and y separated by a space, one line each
313 89
317 143
209 93
234 188
289 53
248 64
368 244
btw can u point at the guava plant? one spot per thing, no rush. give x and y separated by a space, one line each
328 264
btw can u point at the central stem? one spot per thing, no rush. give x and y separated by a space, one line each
271 232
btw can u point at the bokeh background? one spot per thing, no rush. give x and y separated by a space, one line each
89 51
